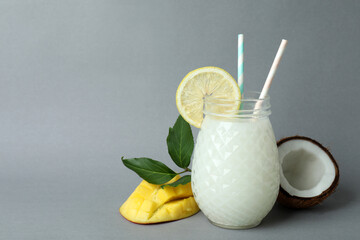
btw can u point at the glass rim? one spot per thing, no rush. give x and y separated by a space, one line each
208 98
248 107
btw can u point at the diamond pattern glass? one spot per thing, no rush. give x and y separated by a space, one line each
235 178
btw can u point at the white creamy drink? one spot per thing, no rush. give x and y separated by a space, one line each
235 176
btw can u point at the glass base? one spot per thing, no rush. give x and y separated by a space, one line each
235 227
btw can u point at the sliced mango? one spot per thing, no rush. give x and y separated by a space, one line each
149 203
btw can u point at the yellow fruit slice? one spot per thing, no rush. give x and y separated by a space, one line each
201 82
149 203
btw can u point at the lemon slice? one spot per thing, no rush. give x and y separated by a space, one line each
201 82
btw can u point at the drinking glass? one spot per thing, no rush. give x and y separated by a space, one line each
236 171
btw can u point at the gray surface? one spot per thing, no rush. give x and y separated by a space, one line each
83 83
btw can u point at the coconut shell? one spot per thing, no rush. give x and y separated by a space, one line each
287 200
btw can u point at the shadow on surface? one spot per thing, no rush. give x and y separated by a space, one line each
278 215
342 198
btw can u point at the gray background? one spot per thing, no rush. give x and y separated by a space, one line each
83 83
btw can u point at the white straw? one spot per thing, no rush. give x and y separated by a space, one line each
272 72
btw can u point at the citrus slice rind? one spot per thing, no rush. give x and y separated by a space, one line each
201 82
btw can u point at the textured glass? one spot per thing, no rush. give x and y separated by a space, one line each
235 178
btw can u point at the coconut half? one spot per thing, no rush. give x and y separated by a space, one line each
309 172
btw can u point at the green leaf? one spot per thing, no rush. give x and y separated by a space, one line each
183 180
180 143
152 171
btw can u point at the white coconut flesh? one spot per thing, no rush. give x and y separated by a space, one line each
307 170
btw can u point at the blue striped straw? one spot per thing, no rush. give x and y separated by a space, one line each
241 62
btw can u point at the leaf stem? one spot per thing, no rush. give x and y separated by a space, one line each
186 170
